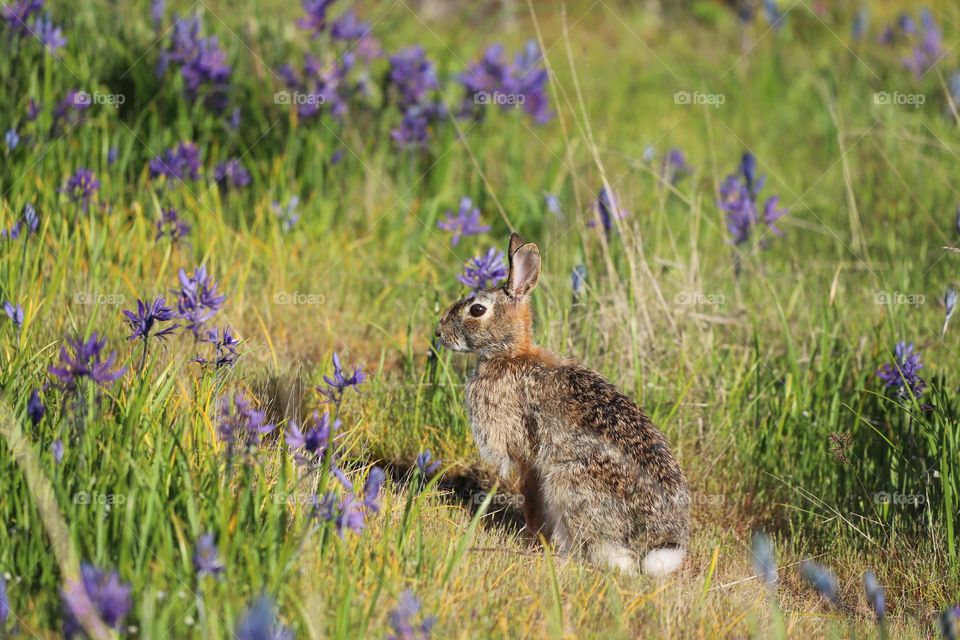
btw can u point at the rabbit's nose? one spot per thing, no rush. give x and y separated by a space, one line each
437 332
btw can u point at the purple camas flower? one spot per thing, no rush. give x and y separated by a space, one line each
426 465
35 408
231 175
145 321
578 281
15 313
171 225
4 604
414 129
69 112
85 362
81 187
773 14
340 382
11 138
18 14
157 10
197 299
346 514
372 489
206 558
494 81
553 204
260 622
30 222
241 424
674 166
412 76
902 375
484 271
225 348
401 620
311 444
49 34
820 578
348 27
56 448
316 18
739 197
98 595
319 85
181 162
203 63
465 223
929 49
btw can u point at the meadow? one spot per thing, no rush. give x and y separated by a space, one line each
229 229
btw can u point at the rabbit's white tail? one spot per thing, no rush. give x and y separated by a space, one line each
660 562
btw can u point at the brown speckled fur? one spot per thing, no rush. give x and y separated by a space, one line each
595 472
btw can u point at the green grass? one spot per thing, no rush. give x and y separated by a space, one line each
749 381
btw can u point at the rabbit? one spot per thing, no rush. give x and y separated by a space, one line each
597 477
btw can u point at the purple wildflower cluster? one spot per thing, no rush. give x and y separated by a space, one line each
206 558
522 83
484 271
231 175
334 387
240 424
924 43
202 63
349 512
171 225
198 300
181 162
260 622
739 199
81 187
224 345
28 224
413 84
402 623
287 214
311 444
318 86
902 375
84 360
465 223
24 19
145 323
99 599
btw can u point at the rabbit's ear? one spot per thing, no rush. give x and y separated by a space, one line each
524 269
515 243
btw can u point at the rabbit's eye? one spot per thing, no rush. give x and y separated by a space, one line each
477 310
